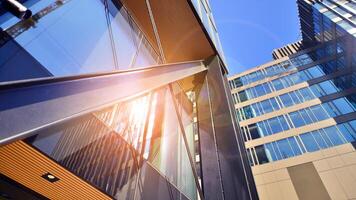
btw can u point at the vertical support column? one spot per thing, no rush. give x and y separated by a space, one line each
226 174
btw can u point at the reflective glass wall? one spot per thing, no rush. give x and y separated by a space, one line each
70 37
292 95
135 149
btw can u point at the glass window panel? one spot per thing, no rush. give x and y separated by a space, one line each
283 123
309 142
333 135
294 145
319 112
330 109
256 109
315 72
267 88
328 87
352 100
242 96
260 90
266 106
343 105
306 93
277 84
300 144
261 155
276 150
285 148
286 100
262 129
320 140
297 119
254 131
347 132
274 103
250 159
311 115
299 95
317 91
303 76
248 112
305 116
271 155
295 97
353 125
275 125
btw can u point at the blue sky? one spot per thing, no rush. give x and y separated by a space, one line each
250 29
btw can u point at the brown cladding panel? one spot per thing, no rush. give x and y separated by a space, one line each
307 182
25 165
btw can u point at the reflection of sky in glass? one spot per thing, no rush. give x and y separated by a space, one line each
75 38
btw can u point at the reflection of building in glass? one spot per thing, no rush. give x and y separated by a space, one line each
109 99
297 114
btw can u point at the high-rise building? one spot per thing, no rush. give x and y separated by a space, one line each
116 99
297 114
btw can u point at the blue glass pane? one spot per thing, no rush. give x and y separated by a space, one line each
274 104
347 132
283 123
328 87
319 112
285 148
295 97
311 115
271 155
286 100
315 72
320 140
256 109
317 91
276 150
275 125
266 106
333 135
262 129
305 116
267 88
306 93
293 143
277 84
309 142
343 105
297 119
353 125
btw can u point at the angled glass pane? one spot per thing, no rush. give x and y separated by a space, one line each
334 135
319 112
286 100
343 105
319 139
285 148
309 142
297 119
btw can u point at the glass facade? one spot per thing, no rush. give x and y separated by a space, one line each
303 143
103 38
93 94
114 147
296 97
312 87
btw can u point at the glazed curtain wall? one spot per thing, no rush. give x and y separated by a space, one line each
71 37
123 149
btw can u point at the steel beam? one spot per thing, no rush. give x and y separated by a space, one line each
31 105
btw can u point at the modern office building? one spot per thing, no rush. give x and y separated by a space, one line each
297 113
116 99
